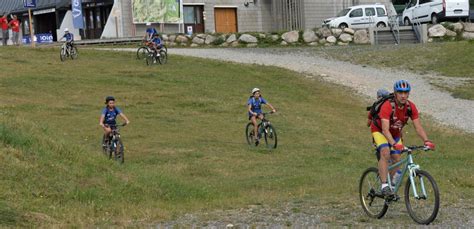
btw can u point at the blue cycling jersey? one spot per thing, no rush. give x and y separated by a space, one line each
69 37
256 104
110 116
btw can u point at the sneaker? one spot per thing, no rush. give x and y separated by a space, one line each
387 191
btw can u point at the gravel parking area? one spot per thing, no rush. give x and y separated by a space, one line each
363 79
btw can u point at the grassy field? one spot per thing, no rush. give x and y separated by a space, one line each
185 146
452 59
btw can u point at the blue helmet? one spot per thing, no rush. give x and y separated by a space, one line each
401 85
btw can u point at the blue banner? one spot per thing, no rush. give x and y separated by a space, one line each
77 14
41 38
29 3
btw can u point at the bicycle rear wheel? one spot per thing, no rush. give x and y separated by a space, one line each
423 209
270 137
163 58
142 53
371 198
118 152
249 134
150 58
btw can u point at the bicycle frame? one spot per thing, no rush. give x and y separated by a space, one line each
410 167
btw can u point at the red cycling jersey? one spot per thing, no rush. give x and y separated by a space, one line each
400 117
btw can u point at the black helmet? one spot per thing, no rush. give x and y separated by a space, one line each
108 98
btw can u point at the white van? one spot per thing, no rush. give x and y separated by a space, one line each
435 10
361 16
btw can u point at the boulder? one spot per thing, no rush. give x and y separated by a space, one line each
193 45
457 26
231 38
262 36
361 37
284 43
165 37
225 44
313 44
437 31
181 39
201 35
430 40
251 45
342 43
325 32
235 44
210 39
322 41
468 36
469 27
247 38
349 31
291 37
172 38
275 37
171 44
345 37
450 33
309 36
336 32
199 41
331 39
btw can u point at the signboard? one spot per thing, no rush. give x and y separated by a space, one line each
77 14
157 11
29 3
40 38
46 11
189 30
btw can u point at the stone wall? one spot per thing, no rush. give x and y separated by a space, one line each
451 31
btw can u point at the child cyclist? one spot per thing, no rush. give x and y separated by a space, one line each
255 110
109 115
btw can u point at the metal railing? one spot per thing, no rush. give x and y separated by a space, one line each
416 24
394 27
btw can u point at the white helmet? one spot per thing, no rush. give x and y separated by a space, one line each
255 90
148 23
66 30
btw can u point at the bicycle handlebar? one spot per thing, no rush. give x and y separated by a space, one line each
116 125
416 148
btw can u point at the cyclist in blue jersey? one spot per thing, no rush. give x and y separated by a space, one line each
156 43
69 38
109 115
150 32
255 112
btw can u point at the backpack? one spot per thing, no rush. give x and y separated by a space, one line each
377 105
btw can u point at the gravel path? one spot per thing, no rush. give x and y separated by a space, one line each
365 80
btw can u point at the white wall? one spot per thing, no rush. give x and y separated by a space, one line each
68 23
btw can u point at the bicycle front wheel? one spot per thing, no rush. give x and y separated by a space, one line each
74 53
249 134
150 58
142 53
270 137
118 153
371 198
163 58
62 54
424 208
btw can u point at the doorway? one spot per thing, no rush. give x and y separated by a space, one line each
226 20
194 17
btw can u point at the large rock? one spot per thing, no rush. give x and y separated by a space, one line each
182 39
336 32
197 40
165 37
349 31
346 38
291 37
284 43
450 33
262 36
275 37
247 38
309 36
210 39
469 27
313 44
468 36
172 38
331 39
457 26
361 37
325 32
235 43
322 41
437 31
193 45
201 35
231 38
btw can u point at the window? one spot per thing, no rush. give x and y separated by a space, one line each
356 13
381 12
343 12
369 12
189 15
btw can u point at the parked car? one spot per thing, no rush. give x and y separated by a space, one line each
435 11
361 16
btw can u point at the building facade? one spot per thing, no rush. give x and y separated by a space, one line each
114 18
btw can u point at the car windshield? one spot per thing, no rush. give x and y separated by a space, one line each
343 12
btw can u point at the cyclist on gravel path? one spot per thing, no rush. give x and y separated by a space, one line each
255 109
69 38
387 130
109 116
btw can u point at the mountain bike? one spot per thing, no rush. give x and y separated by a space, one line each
113 146
265 130
421 191
154 57
142 51
68 51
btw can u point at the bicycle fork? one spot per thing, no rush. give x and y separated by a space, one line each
412 168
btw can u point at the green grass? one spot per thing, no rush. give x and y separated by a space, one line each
185 149
452 59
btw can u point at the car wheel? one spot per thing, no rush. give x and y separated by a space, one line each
343 26
434 19
407 22
381 25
